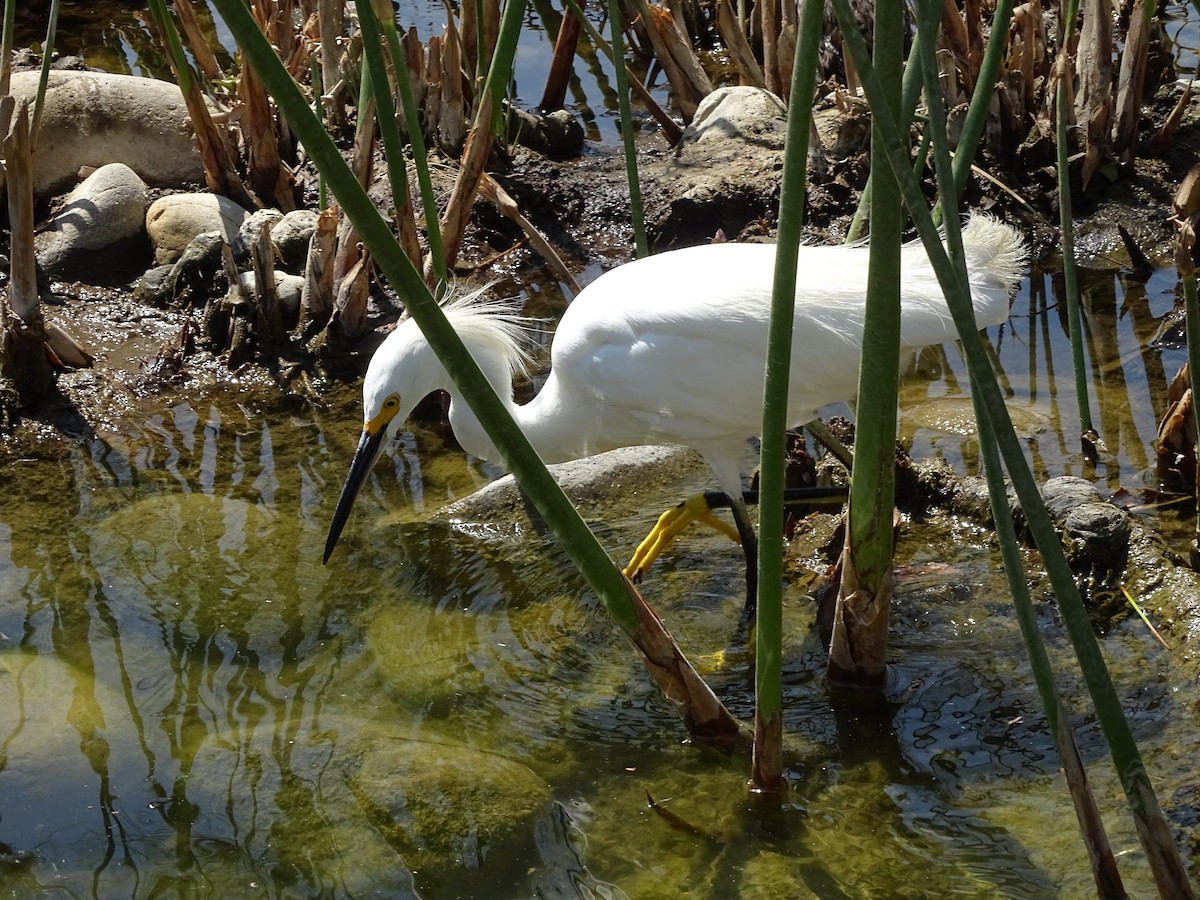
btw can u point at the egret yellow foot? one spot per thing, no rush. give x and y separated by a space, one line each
669 526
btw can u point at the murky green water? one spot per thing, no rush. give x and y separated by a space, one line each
190 704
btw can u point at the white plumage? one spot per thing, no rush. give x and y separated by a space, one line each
670 349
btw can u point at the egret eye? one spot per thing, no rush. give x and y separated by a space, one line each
392 403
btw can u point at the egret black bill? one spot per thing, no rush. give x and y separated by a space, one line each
369 446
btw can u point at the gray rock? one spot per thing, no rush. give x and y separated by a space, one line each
155 287
737 113
175 220
557 134
106 211
1063 494
445 808
1096 538
198 276
250 228
595 484
292 235
287 286
91 119
724 172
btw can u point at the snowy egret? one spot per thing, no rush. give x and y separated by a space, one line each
670 349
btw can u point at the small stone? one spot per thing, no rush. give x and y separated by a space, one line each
175 220
292 235
154 287
1063 494
287 286
250 228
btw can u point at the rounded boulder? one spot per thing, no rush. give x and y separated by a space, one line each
174 221
107 212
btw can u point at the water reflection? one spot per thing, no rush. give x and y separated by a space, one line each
1128 371
192 704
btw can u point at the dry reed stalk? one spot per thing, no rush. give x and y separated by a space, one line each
268 314
201 51
433 87
491 191
562 63
973 19
23 299
452 121
1166 132
330 14
349 320
269 178
749 71
786 44
458 208
954 33
414 58
468 27
1093 67
316 297
65 352
674 52
768 23
1131 84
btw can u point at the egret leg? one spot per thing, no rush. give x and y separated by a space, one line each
700 508
670 525
749 540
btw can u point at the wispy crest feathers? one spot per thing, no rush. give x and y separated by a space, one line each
482 319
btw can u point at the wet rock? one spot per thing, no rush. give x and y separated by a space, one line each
557 135
1096 539
199 275
616 479
154 287
174 221
1061 495
444 808
106 212
249 230
91 119
291 236
723 174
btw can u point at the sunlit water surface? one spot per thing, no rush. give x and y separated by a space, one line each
192 705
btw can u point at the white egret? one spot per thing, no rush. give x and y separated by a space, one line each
670 349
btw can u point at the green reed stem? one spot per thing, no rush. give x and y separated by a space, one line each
621 80
1067 229
416 142
910 93
768 695
1155 834
873 487
385 111
44 74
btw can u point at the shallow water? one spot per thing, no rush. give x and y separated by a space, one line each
193 705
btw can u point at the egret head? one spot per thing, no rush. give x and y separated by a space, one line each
402 372
405 370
